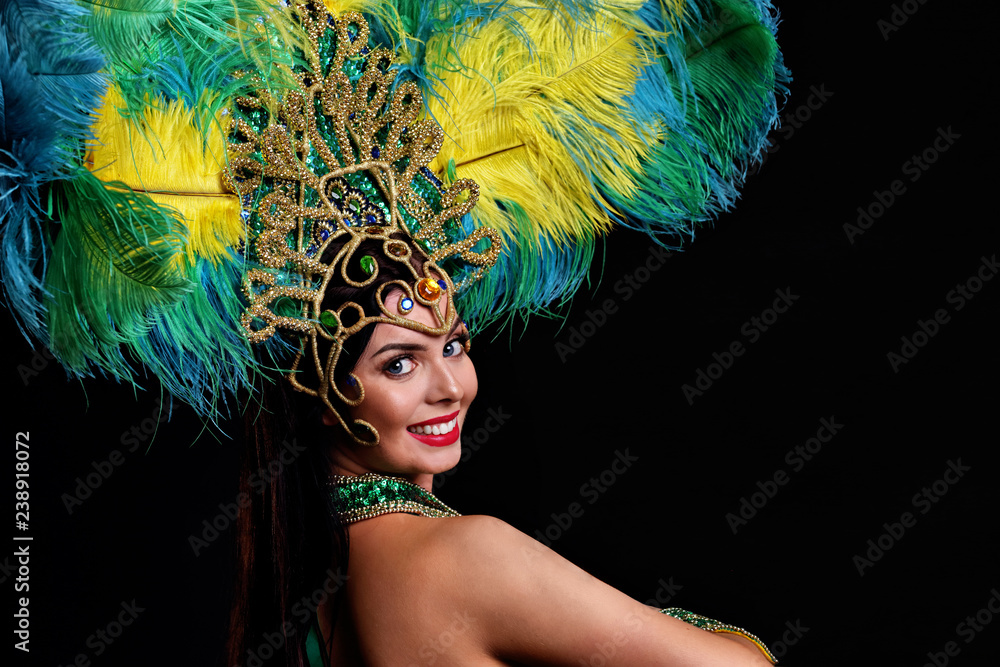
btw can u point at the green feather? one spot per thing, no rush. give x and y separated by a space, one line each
112 262
731 63
158 52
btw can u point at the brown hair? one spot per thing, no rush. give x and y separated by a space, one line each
288 543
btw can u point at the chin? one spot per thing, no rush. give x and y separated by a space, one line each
407 459
443 460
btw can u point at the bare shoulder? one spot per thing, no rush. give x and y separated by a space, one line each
516 600
439 559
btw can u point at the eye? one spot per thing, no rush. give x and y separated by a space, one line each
399 366
456 346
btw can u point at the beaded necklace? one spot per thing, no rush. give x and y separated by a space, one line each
369 495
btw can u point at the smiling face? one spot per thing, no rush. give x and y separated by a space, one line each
415 384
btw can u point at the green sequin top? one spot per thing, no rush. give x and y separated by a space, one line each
366 496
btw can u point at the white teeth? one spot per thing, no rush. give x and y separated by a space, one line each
436 429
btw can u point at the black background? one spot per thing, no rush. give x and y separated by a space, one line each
665 518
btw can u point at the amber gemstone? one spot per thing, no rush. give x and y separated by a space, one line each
397 249
428 289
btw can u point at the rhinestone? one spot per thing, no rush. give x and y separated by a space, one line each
329 321
397 249
443 285
405 305
368 264
428 289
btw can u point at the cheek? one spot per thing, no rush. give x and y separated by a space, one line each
386 406
470 382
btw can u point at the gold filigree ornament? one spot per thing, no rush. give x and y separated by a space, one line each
332 165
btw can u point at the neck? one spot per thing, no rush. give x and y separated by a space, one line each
352 469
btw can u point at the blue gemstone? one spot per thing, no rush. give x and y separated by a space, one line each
311 250
371 219
406 304
375 152
443 284
324 234
430 175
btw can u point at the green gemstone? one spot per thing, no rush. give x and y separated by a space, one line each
329 321
368 264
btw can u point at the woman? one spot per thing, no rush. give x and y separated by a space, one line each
335 195
412 581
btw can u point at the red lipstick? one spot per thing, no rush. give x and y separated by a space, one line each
442 440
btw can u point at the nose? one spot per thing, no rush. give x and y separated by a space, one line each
446 386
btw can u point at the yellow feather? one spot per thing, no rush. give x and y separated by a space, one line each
518 133
167 158
338 7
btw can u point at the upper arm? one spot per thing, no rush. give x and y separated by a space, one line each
535 606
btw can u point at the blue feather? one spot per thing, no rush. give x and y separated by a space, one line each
49 81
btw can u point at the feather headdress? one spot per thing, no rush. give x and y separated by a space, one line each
120 244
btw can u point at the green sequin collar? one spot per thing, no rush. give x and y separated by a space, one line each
366 496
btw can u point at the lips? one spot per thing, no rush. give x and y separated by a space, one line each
437 432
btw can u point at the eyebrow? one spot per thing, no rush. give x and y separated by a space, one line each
404 347
412 347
